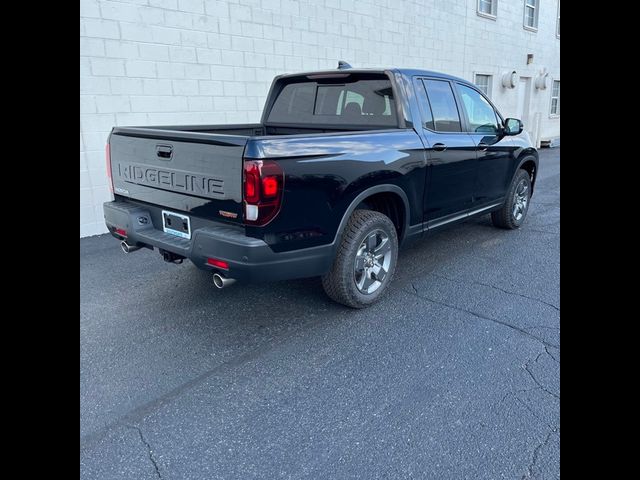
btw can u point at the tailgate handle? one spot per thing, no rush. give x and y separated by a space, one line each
164 151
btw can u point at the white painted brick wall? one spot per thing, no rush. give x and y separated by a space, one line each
150 62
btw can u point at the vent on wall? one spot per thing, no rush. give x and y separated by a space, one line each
510 79
541 80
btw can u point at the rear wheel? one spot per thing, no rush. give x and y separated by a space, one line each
516 205
365 262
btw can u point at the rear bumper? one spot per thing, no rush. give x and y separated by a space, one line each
249 259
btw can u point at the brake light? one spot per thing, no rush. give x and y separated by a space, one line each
121 231
263 187
251 182
109 177
218 263
270 186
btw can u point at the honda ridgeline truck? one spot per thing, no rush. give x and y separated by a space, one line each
345 167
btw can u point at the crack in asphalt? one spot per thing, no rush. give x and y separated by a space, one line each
536 454
537 382
514 392
546 349
137 413
532 412
548 327
149 449
475 282
483 317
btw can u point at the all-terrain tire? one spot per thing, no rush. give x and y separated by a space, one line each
516 204
340 282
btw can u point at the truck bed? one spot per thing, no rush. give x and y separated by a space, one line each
196 169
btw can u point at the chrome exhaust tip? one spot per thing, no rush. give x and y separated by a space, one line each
220 282
126 248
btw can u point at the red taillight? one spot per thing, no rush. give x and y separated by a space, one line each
218 263
270 186
251 182
263 187
109 177
121 232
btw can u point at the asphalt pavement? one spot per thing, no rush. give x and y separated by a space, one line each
453 375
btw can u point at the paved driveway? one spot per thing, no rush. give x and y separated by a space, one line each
455 374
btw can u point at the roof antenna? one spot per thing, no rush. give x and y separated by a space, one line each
342 65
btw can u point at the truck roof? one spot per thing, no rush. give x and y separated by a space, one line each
409 72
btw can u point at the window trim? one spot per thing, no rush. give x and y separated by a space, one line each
489 86
494 10
418 84
536 9
463 119
466 114
551 97
558 21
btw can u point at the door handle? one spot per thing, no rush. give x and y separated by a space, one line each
439 147
482 146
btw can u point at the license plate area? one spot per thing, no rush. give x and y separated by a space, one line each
176 224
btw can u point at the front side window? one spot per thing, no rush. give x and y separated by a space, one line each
487 8
483 82
531 14
443 106
360 102
480 113
555 98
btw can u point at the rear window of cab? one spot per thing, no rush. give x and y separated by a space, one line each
347 100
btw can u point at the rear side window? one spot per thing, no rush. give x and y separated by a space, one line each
365 102
423 102
443 106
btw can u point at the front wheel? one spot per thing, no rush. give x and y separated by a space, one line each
365 262
516 205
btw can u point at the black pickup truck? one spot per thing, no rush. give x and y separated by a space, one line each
345 167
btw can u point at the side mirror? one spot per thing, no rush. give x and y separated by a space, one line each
513 126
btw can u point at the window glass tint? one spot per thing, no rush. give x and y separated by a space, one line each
482 116
423 102
443 106
355 98
295 100
327 97
363 102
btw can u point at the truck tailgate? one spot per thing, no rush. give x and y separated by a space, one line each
196 173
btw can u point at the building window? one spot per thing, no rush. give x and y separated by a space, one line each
555 98
558 24
483 82
531 14
488 8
